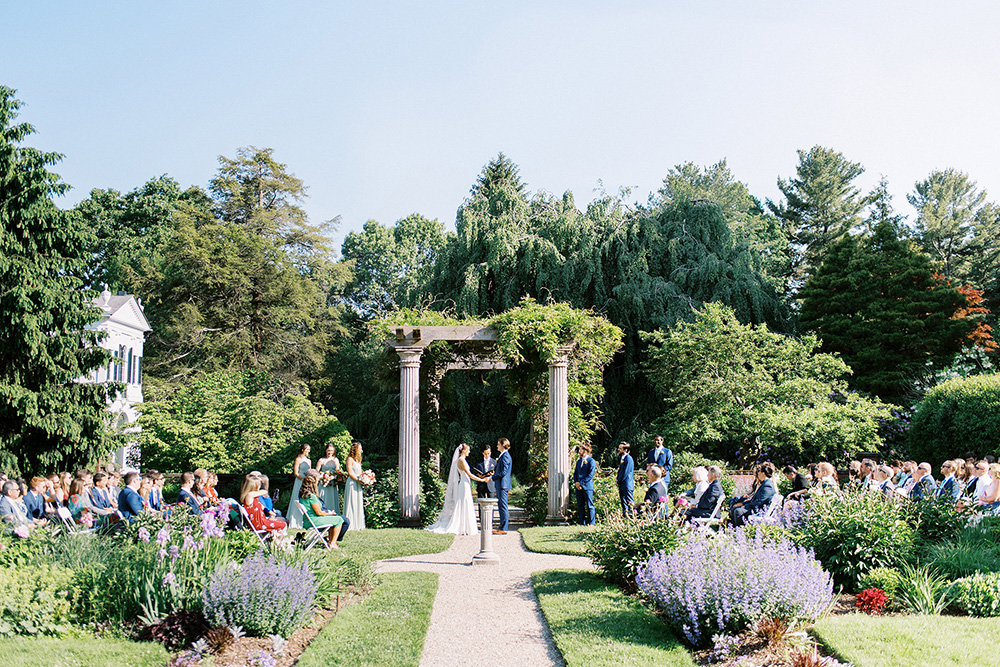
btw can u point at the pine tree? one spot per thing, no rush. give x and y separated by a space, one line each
48 419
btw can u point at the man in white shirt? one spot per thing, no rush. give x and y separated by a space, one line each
985 483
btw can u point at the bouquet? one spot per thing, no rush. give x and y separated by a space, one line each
327 478
368 478
86 519
340 476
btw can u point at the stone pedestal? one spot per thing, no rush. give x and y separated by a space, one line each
486 555
409 435
558 438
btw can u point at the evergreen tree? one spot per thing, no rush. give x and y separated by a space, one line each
877 302
821 206
48 419
880 210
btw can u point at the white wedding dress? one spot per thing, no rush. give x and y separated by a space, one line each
458 514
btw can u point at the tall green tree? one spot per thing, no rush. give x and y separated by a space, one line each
955 225
47 418
743 392
877 302
821 205
392 266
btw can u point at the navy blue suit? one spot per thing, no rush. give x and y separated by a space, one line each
626 483
155 499
925 488
35 505
949 490
185 496
129 503
99 498
501 477
583 475
665 459
708 501
758 502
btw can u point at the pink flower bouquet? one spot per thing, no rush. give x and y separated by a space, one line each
367 478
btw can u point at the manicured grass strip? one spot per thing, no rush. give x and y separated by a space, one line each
386 629
80 651
910 641
596 624
393 543
570 540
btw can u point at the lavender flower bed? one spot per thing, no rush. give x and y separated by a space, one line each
264 596
724 584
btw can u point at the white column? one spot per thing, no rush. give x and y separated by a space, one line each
409 435
558 437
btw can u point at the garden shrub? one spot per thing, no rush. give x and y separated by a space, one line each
979 595
957 415
40 544
606 501
768 532
871 601
961 558
884 579
854 533
241 544
922 591
264 596
35 600
177 629
936 521
621 545
725 584
382 500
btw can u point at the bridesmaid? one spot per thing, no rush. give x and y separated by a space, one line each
354 501
331 493
300 467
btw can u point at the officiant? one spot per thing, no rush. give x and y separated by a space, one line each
484 467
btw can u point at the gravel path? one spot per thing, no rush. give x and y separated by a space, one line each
487 614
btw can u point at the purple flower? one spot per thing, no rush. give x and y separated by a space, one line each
161 554
209 527
143 534
189 544
169 579
174 551
162 536
22 531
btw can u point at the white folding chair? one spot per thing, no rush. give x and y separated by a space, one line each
262 535
776 501
702 523
67 520
313 533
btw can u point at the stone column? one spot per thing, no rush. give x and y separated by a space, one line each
409 435
486 555
558 437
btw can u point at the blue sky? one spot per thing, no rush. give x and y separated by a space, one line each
385 109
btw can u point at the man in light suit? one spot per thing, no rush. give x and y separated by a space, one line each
583 482
661 456
484 468
709 499
129 500
626 478
501 478
12 510
760 500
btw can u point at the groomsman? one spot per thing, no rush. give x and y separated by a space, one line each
583 481
661 456
626 478
501 478
484 468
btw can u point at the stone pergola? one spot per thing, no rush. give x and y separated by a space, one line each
410 343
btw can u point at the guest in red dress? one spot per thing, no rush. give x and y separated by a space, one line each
250 497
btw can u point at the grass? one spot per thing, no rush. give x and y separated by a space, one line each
595 624
393 543
909 641
80 652
570 540
387 628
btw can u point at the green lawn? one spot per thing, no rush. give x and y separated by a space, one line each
910 641
571 540
80 652
595 624
387 628
393 543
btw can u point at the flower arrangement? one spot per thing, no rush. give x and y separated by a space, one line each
327 478
871 601
725 584
368 478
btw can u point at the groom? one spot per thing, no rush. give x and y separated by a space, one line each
501 477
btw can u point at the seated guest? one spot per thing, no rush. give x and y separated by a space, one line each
961 474
186 495
854 475
265 500
13 514
812 480
318 516
799 481
827 482
868 474
114 488
905 475
100 501
34 499
951 488
79 500
145 490
156 492
129 501
656 494
760 500
699 475
989 497
713 494
883 481
199 487
250 496
924 485
56 489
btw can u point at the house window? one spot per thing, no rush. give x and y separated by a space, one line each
130 365
138 370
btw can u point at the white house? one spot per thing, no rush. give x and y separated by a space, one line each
126 327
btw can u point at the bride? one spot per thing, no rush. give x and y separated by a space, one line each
458 515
